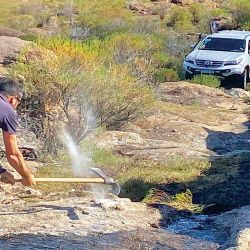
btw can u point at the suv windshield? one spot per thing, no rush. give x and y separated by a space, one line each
223 44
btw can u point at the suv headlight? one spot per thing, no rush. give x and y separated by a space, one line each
236 62
189 59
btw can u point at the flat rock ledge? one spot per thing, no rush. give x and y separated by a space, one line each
28 221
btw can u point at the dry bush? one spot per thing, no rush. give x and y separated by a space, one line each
69 80
97 13
180 19
207 80
115 95
177 46
240 10
144 25
21 22
166 75
22 15
135 51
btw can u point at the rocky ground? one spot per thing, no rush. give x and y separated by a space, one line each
181 123
236 223
28 221
188 121
152 7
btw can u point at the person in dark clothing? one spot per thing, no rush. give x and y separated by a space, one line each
11 93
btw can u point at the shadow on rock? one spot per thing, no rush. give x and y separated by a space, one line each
136 239
225 185
136 189
70 210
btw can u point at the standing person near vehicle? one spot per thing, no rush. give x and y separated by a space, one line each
11 93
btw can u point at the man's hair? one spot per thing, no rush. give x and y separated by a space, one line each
11 87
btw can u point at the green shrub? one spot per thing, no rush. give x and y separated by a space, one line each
177 46
207 80
68 79
198 11
166 75
240 10
181 19
115 96
97 13
219 12
38 9
7 9
28 37
22 15
160 58
144 25
135 52
21 22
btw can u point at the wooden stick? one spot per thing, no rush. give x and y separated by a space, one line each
68 180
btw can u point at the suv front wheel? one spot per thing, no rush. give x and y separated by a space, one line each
188 76
242 79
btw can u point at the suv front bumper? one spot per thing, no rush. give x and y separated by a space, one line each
221 71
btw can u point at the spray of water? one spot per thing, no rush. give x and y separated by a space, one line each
81 161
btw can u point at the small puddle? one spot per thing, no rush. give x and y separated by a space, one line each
199 227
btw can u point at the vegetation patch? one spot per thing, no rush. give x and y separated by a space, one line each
196 112
66 80
180 201
207 80
183 184
166 75
101 60
56 170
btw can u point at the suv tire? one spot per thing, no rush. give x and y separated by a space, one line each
242 79
188 75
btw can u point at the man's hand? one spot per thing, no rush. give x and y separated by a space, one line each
28 180
8 177
15 158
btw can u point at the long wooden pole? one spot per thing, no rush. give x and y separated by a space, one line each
68 180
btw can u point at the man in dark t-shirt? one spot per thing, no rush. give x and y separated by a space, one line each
11 93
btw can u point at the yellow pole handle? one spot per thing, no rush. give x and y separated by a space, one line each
68 180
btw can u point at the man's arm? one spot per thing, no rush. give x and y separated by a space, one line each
15 158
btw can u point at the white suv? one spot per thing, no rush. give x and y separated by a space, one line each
225 54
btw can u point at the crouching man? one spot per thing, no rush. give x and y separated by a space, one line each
11 93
